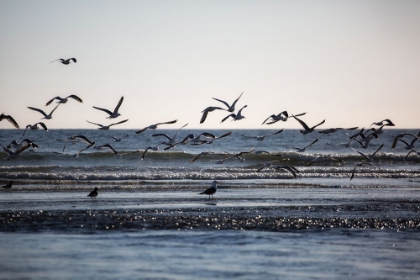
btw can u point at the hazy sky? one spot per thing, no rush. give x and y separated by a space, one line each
348 62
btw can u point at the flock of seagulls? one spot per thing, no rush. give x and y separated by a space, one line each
362 137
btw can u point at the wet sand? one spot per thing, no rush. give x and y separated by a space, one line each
263 209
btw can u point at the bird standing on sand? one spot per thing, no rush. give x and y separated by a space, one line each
212 190
115 114
65 61
94 193
8 186
10 119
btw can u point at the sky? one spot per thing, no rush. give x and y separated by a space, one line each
348 62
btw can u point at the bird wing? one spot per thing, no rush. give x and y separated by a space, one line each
231 115
43 126
161 134
170 122
318 124
119 104
10 119
49 102
234 102
38 110
75 97
102 109
224 102
119 122
268 119
54 109
302 123
313 142
141 130
204 116
74 60
95 123
377 150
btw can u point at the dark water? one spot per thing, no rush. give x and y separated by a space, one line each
148 220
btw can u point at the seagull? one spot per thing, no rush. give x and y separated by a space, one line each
106 127
283 116
386 122
94 193
369 158
118 139
15 154
109 147
153 148
409 146
301 150
47 117
218 137
395 141
332 130
81 137
206 112
154 126
65 99
231 108
290 169
267 164
360 164
236 117
10 119
262 137
115 114
212 190
15 145
196 140
171 142
65 61
412 151
35 127
307 128
8 186
204 154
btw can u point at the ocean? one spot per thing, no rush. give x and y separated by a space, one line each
330 217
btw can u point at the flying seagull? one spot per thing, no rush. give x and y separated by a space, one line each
106 127
47 117
386 122
206 112
301 150
65 61
231 108
332 130
307 129
236 117
74 138
115 114
283 116
10 119
109 147
262 137
211 191
118 139
154 126
360 164
94 193
35 127
370 157
65 99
